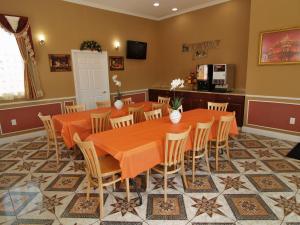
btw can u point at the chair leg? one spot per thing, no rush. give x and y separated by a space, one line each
193 168
165 184
48 151
127 189
207 161
184 175
217 157
88 189
148 179
57 154
101 199
227 150
114 184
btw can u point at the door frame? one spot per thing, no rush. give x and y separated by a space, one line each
74 65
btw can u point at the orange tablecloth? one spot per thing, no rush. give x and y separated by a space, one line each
68 124
141 146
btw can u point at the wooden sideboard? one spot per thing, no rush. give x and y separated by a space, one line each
197 99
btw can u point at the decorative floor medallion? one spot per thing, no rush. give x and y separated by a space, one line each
202 183
8 180
207 206
80 207
32 222
280 166
252 144
233 182
6 164
40 155
123 206
289 205
240 154
51 167
267 183
65 182
34 145
173 209
249 207
224 167
13 203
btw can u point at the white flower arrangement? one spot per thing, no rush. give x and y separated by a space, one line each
118 85
176 102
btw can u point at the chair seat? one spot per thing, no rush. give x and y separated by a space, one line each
160 168
109 165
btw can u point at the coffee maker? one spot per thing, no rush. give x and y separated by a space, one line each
215 77
204 77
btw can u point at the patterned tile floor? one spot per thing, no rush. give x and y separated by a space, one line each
258 186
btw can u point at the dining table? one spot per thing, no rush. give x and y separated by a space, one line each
66 125
140 147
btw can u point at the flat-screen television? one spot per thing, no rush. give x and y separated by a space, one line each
136 50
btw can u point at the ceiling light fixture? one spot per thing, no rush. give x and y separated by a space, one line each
156 4
174 9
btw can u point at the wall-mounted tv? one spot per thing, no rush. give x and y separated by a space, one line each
136 50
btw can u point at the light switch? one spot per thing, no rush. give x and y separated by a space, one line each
13 122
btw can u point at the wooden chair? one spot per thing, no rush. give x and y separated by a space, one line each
74 108
123 121
164 100
127 101
97 169
100 122
217 106
103 104
153 115
175 146
161 106
221 141
137 112
51 135
200 145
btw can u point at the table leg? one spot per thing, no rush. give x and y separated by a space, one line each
133 183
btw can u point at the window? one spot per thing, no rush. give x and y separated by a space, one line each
11 67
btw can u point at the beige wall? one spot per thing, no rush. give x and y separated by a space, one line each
272 80
66 25
228 22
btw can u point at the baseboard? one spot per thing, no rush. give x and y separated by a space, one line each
4 140
272 134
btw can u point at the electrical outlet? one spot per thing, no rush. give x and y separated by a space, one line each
292 120
13 122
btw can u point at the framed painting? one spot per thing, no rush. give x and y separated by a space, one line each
116 63
280 47
60 62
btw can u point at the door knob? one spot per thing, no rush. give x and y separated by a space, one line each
103 92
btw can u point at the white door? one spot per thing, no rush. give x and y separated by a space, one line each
91 78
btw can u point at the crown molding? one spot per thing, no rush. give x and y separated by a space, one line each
101 6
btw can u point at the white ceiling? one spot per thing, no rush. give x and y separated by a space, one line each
145 8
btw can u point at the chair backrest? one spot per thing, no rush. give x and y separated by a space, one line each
103 104
165 100
127 101
74 108
123 121
158 106
153 115
137 112
180 109
201 135
224 127
175 145
49 127
100 121
90 156
217 106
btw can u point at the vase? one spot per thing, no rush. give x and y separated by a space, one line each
118 104
175 116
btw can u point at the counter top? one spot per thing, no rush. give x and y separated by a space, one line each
240 93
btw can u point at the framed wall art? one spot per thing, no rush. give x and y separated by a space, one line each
280 47
60 62
116 63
